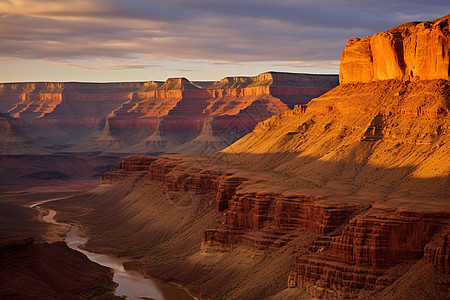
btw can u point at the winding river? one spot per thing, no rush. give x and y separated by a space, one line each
130 283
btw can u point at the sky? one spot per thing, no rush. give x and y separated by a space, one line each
141 40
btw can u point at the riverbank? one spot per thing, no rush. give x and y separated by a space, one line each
55 233
141 222
32 268
129 281
17 218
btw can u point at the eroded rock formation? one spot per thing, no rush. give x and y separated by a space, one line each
15 137
364 169
244 211
138 114
412 51
437 252
389 116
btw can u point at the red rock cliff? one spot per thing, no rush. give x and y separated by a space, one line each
177 107
185 104
410 51
389 117
84 104
363 169
54 105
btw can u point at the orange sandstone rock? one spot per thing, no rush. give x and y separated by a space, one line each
438 253
406 52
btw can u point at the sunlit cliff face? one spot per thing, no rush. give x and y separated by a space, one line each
416 51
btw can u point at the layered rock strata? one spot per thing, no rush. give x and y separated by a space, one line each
231 107
412 51
438 252
384 131
368 162
359 258
54 105
138 114
279 215
129 167
356 244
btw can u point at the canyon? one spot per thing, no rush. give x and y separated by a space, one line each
344 197
146 117
46 128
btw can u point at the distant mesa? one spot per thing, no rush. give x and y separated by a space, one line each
178 84
153 116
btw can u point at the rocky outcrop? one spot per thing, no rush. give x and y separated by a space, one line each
132 166
412 51
277 215
437 252
381 238
324 277
370 243
270 220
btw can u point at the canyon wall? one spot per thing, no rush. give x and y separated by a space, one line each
355 244
363 170
250 99
384 131
412 51
53 105
123 116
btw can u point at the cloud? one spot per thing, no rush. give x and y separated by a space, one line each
302 64
127 66
216 31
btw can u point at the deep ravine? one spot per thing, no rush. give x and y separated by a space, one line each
130 283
